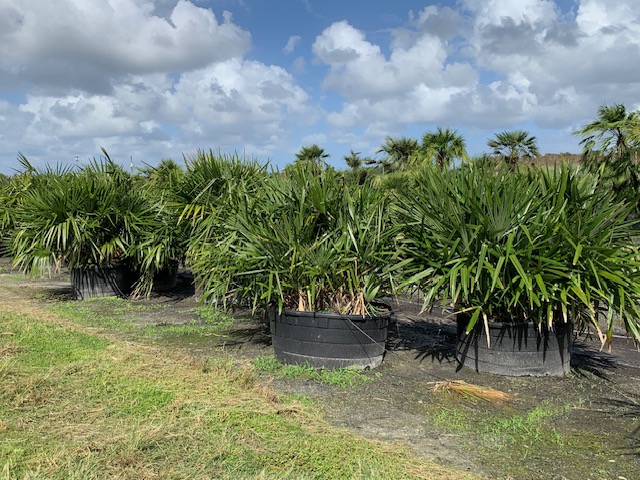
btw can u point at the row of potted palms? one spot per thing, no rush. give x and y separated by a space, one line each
522 257
97 220
543 248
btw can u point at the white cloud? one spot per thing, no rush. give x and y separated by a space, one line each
519 63
292 43
228 105
314 138
86 44
493 12
414 84
299 65
541 55
236 98
155 78
115 74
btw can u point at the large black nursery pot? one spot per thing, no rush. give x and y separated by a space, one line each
167 278
329 340
515 349
101 281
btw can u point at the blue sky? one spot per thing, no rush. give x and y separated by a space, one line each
151 79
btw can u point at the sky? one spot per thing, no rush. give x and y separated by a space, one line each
154 79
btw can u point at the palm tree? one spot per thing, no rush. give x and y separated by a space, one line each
312 154
353 160
399 151
611 147
168 172
444 145
512 145
613 135
357 171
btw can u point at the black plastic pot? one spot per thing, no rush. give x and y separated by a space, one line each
329 340
167 278
100 281
516 349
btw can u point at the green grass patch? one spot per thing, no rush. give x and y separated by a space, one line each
106 312
77 406
507 439
341 377
44 345
503 428
214 317
119 315
206 321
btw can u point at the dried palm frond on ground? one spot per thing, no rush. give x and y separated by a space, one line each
469 391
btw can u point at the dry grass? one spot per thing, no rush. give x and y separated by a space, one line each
75 404
471 392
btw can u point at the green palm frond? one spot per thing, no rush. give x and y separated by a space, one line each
306 240
536 245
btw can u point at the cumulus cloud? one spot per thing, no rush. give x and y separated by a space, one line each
358 68
223 104
139 77
74 43
490 64
292 43
414 84
160 77
235 98
549 61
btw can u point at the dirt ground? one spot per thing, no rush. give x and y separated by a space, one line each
585 425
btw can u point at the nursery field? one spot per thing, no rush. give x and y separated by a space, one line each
79 401
165 388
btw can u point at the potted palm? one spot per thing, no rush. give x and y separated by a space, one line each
92 220
161 245
11 191
522 258
312 250
210 191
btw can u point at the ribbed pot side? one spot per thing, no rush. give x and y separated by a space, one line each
100 281
329 340
516 349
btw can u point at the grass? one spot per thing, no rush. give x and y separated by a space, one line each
106 312
75 405
115 313
340 377
505 439
208 321
212 316
505 427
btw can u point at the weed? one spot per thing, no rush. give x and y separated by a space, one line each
344 377
108 312
210 315
341 377
499 429
267 364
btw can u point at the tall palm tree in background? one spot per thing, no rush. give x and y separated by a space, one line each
353 160
399 152
611 147
314 155
614 134
513 145
357 170
445 146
